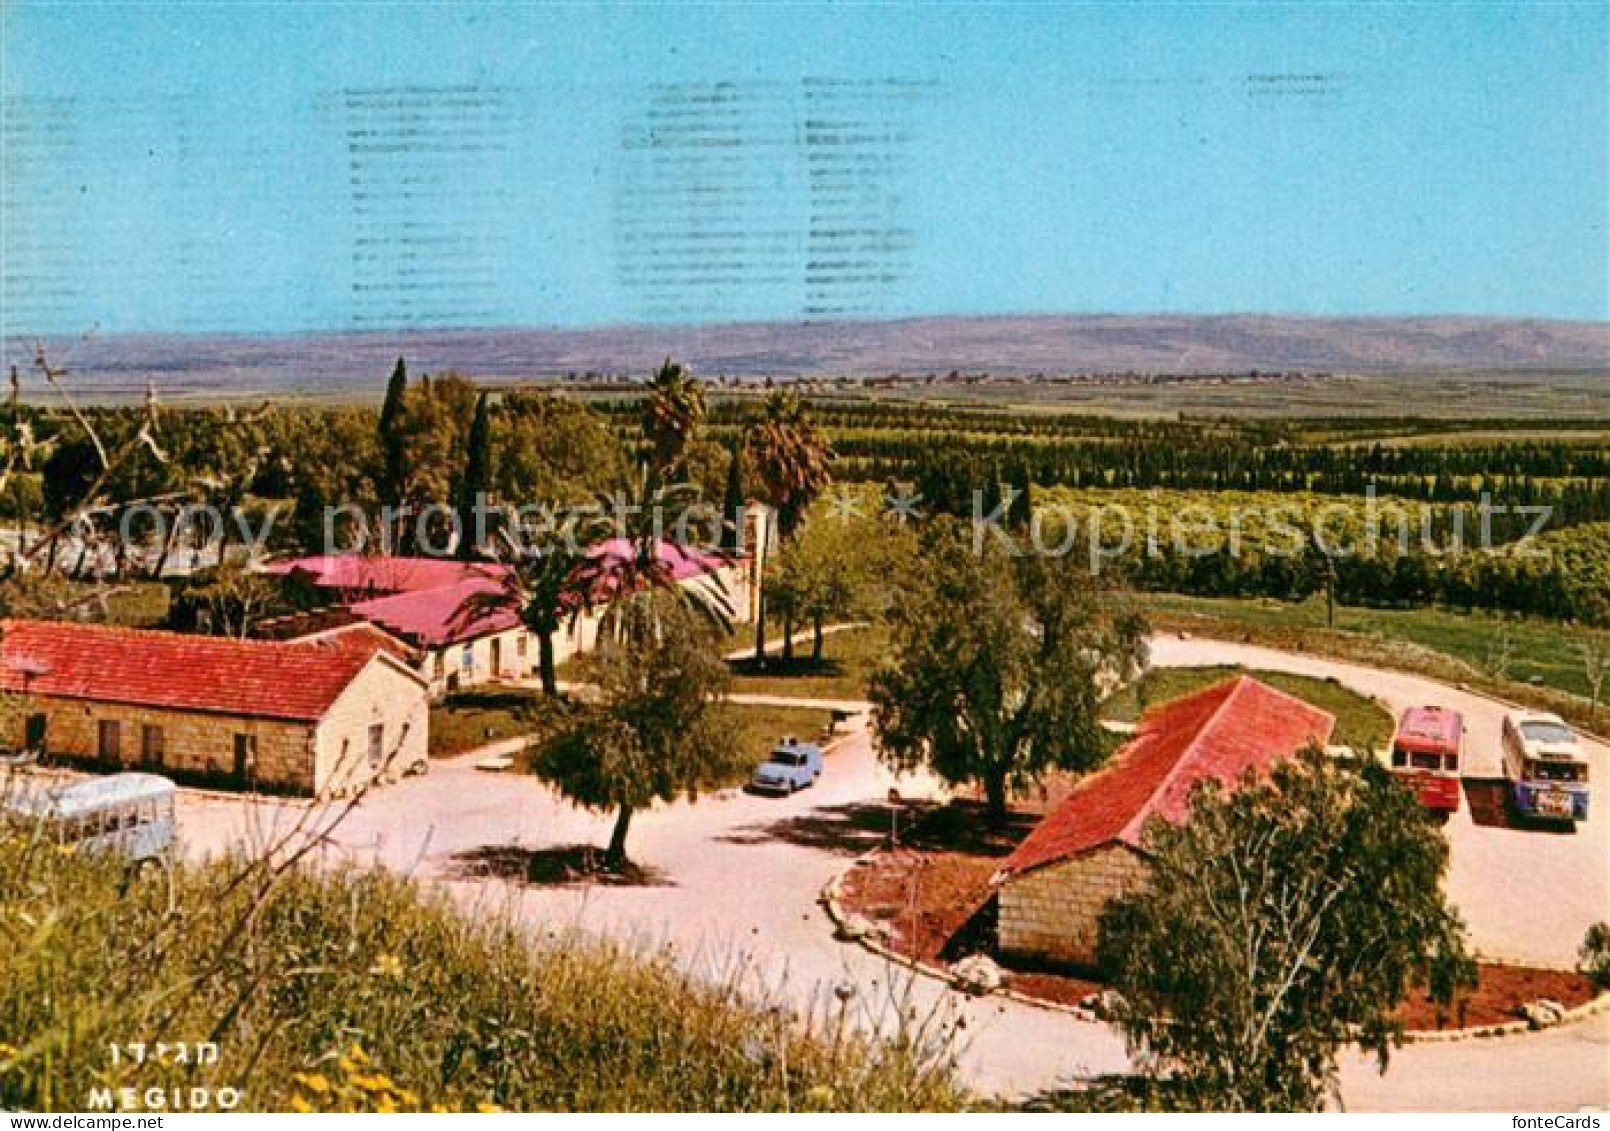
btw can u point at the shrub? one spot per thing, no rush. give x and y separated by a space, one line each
1595 954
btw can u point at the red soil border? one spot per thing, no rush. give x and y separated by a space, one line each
934 898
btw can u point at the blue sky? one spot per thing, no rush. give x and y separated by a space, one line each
355 166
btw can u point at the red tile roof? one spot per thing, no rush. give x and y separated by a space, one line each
684 561
1220 733
358 573
297 680
433 618
422 599
355 633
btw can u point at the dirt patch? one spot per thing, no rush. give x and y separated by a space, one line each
934 894
1499 991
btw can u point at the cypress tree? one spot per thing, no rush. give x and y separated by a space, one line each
390 437
732 534
1021 511
476 481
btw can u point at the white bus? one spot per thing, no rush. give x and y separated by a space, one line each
128 813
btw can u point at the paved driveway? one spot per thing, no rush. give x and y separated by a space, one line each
1528 894
737 877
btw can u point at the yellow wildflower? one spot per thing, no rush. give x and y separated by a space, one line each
313 1082
387 966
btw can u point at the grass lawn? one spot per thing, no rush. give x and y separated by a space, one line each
1361 722
141 604
1528 661
848 659
755 730
1539 652
474 718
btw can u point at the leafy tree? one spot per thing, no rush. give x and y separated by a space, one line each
548 450
946 476
229 600
70 472
671 416
1594 954
327 465
1594 651
790 458
389 436
1282 921
435 425
841 567
475 484
998 663
653 732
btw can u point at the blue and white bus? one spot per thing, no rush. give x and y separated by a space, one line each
1545 767
128 813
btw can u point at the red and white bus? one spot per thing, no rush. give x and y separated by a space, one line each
1426 750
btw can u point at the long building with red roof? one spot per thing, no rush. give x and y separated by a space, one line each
318 715
440 608
1051 889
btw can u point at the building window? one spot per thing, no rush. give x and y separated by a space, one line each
466 658
110 740
520 645
245 755
151 745
441 665
377 745
33 737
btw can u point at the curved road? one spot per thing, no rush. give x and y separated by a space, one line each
737 876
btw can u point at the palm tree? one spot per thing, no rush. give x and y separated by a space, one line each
671 416
790 458
613 555
641 559
546 585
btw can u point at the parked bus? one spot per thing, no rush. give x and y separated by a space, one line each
127 813
1426 751
1544 766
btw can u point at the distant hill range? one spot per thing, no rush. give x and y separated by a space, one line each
351 363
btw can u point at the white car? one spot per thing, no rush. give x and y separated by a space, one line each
1545 766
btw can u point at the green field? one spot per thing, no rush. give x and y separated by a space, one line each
1361 722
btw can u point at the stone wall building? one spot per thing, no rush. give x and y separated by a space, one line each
1052 888
320 716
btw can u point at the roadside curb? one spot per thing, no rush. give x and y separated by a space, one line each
830 901
1581 1012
